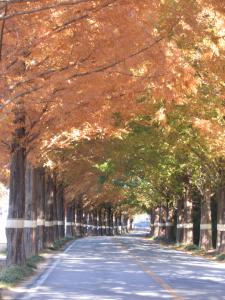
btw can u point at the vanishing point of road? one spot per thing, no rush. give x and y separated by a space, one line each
127 268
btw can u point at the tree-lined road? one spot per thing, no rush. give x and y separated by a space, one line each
127 268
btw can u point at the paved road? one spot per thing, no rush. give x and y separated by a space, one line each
128 268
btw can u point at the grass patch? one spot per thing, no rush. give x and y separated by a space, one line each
160 240
33 261
179 246
221 257
60 243
14 274
192 247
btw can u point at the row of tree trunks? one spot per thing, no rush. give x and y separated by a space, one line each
184 224
221 219
173 225
36 210
101 221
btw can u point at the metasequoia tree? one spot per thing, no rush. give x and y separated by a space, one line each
62 61
43 73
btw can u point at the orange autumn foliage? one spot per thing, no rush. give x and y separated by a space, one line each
74 64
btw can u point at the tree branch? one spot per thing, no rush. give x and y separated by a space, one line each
47 7
2 31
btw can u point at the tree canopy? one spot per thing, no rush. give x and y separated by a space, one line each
125 99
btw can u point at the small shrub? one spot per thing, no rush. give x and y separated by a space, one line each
160 239
192 247
221 257
15 273
59 243
33 261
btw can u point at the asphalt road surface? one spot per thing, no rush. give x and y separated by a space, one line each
127 268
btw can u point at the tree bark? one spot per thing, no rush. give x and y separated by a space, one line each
104 221
85 222
49 237
119 224
55 227
100 221
110 221
169 224
69 220
30 223
206 221
221 220
156 223
188 218
180 221
152 220
40 207
95 222
60 210
162 222
15 223
79 218
125 223
73 219
115 224
131 224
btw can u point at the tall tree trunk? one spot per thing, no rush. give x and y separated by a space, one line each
206 221
95 222
131 223
188 217
104 221
55 228
162 221
122 223
49 237
69 220
15 222
169 224
180 221
30 222
100 221
111 220
60 210
88 223
156 223
79 218
85 222
119 223
91 223
221 219
152 220
40 207
73 219
114 224
125 223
